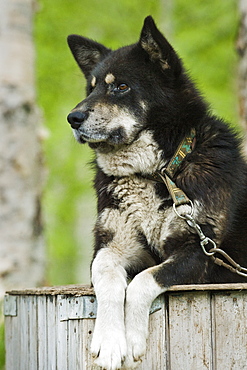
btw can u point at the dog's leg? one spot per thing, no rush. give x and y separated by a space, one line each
109 280
140 294
145 287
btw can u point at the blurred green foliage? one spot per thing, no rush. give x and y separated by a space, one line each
203 32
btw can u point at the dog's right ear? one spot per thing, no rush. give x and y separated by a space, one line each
86 52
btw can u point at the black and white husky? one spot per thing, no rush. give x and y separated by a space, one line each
140 106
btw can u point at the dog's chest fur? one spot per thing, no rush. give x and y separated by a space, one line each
140 209
138 213
139 205
142 156
138 202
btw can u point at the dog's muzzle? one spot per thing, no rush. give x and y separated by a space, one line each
82 132
76 119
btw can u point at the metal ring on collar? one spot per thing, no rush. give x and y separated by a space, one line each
180 215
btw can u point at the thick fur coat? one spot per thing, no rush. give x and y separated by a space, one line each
140 104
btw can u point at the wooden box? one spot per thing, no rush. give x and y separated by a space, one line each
191 327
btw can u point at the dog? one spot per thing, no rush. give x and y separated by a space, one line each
171 187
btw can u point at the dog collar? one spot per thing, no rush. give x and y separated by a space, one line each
167 173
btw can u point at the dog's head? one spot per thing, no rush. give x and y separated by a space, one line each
125 87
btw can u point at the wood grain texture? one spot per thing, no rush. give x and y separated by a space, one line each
230 330
80 290
193 329
190 330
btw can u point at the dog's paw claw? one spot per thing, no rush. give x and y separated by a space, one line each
109 353
131 363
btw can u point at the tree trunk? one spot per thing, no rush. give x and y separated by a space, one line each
242 51
21 240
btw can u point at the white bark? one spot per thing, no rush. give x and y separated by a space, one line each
21 241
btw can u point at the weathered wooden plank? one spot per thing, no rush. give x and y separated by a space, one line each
81 343
12 339
62 339
24 308
87 333
208 287
156 356
74 342
230 330
42 333
32 334
51 331
80 290
190 331
75 290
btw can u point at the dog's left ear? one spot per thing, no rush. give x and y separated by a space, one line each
158 48
86 52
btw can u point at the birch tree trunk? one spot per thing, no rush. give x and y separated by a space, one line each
242 50
21 241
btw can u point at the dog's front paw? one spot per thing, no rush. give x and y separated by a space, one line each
136 343
130 363
109 349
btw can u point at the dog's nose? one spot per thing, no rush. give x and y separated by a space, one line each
76 118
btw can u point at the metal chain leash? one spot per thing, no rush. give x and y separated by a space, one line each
166 174
206 241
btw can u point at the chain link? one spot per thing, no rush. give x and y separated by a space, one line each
206 241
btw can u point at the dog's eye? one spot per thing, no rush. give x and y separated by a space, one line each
123 87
